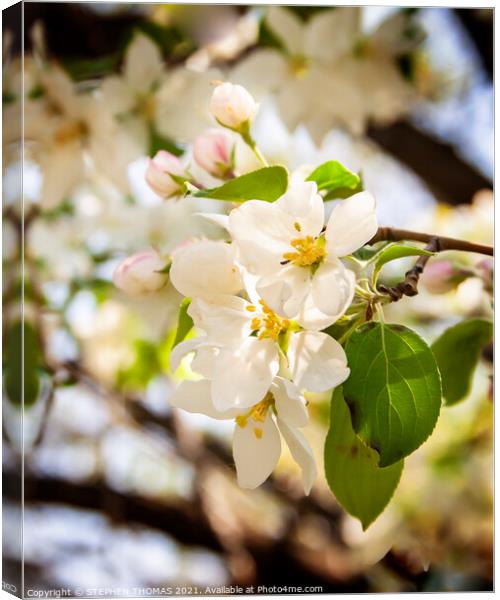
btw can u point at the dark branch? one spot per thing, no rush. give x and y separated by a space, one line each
444 243
409 285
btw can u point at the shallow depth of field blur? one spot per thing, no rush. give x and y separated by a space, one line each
121 490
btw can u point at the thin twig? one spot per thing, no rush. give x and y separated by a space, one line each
409 285
391 234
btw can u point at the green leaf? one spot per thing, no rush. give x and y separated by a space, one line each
15 371
145 366
394 390
395 251
336 179
361 487
266 184
457 353
184 322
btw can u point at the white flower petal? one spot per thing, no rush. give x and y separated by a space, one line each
143 64
256 453
218 219
224 319
242 375
319 42
116 95
303 203
256 259
317 361
204 360
194 397
182 350
205 269
332 288
264 224
288 27
290 403
301 452
286 291
353 222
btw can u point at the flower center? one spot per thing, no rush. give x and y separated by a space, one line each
299 66
268 324
309 251
257 413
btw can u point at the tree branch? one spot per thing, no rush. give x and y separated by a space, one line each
409 285
443 243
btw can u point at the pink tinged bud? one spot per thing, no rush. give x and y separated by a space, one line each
232 105
212 151
158 173
439 277
139 275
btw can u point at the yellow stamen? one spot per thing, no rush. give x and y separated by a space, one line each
251 308
309 251
257 413
258 432
297 226
272 324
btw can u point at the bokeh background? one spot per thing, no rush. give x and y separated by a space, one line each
120 490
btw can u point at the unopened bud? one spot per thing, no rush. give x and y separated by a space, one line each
232 105
213 151
141 274
159 171
440 277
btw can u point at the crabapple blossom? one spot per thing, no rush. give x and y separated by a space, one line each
159 171
245 342
256 439
213 151
140 274
295 258
232 105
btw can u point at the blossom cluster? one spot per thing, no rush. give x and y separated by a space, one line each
259 302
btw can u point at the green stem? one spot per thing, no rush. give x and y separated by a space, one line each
250 142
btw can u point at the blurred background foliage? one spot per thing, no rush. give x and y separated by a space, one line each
120 489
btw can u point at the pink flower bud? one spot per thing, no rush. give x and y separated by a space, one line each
232 105
158 173
439 277
138 275
212 151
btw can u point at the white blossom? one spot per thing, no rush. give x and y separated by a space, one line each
159 174
295 258
256 439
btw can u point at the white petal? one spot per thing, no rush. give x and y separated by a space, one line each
205 269
194 397
303 203
218 219
286 291
301 452
288 27
243 375
143 64
261 71
290 403
321 44
264 224
317 361
353 222
332 288
257 259
182 350
224 319
117 95
204 360
255 457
